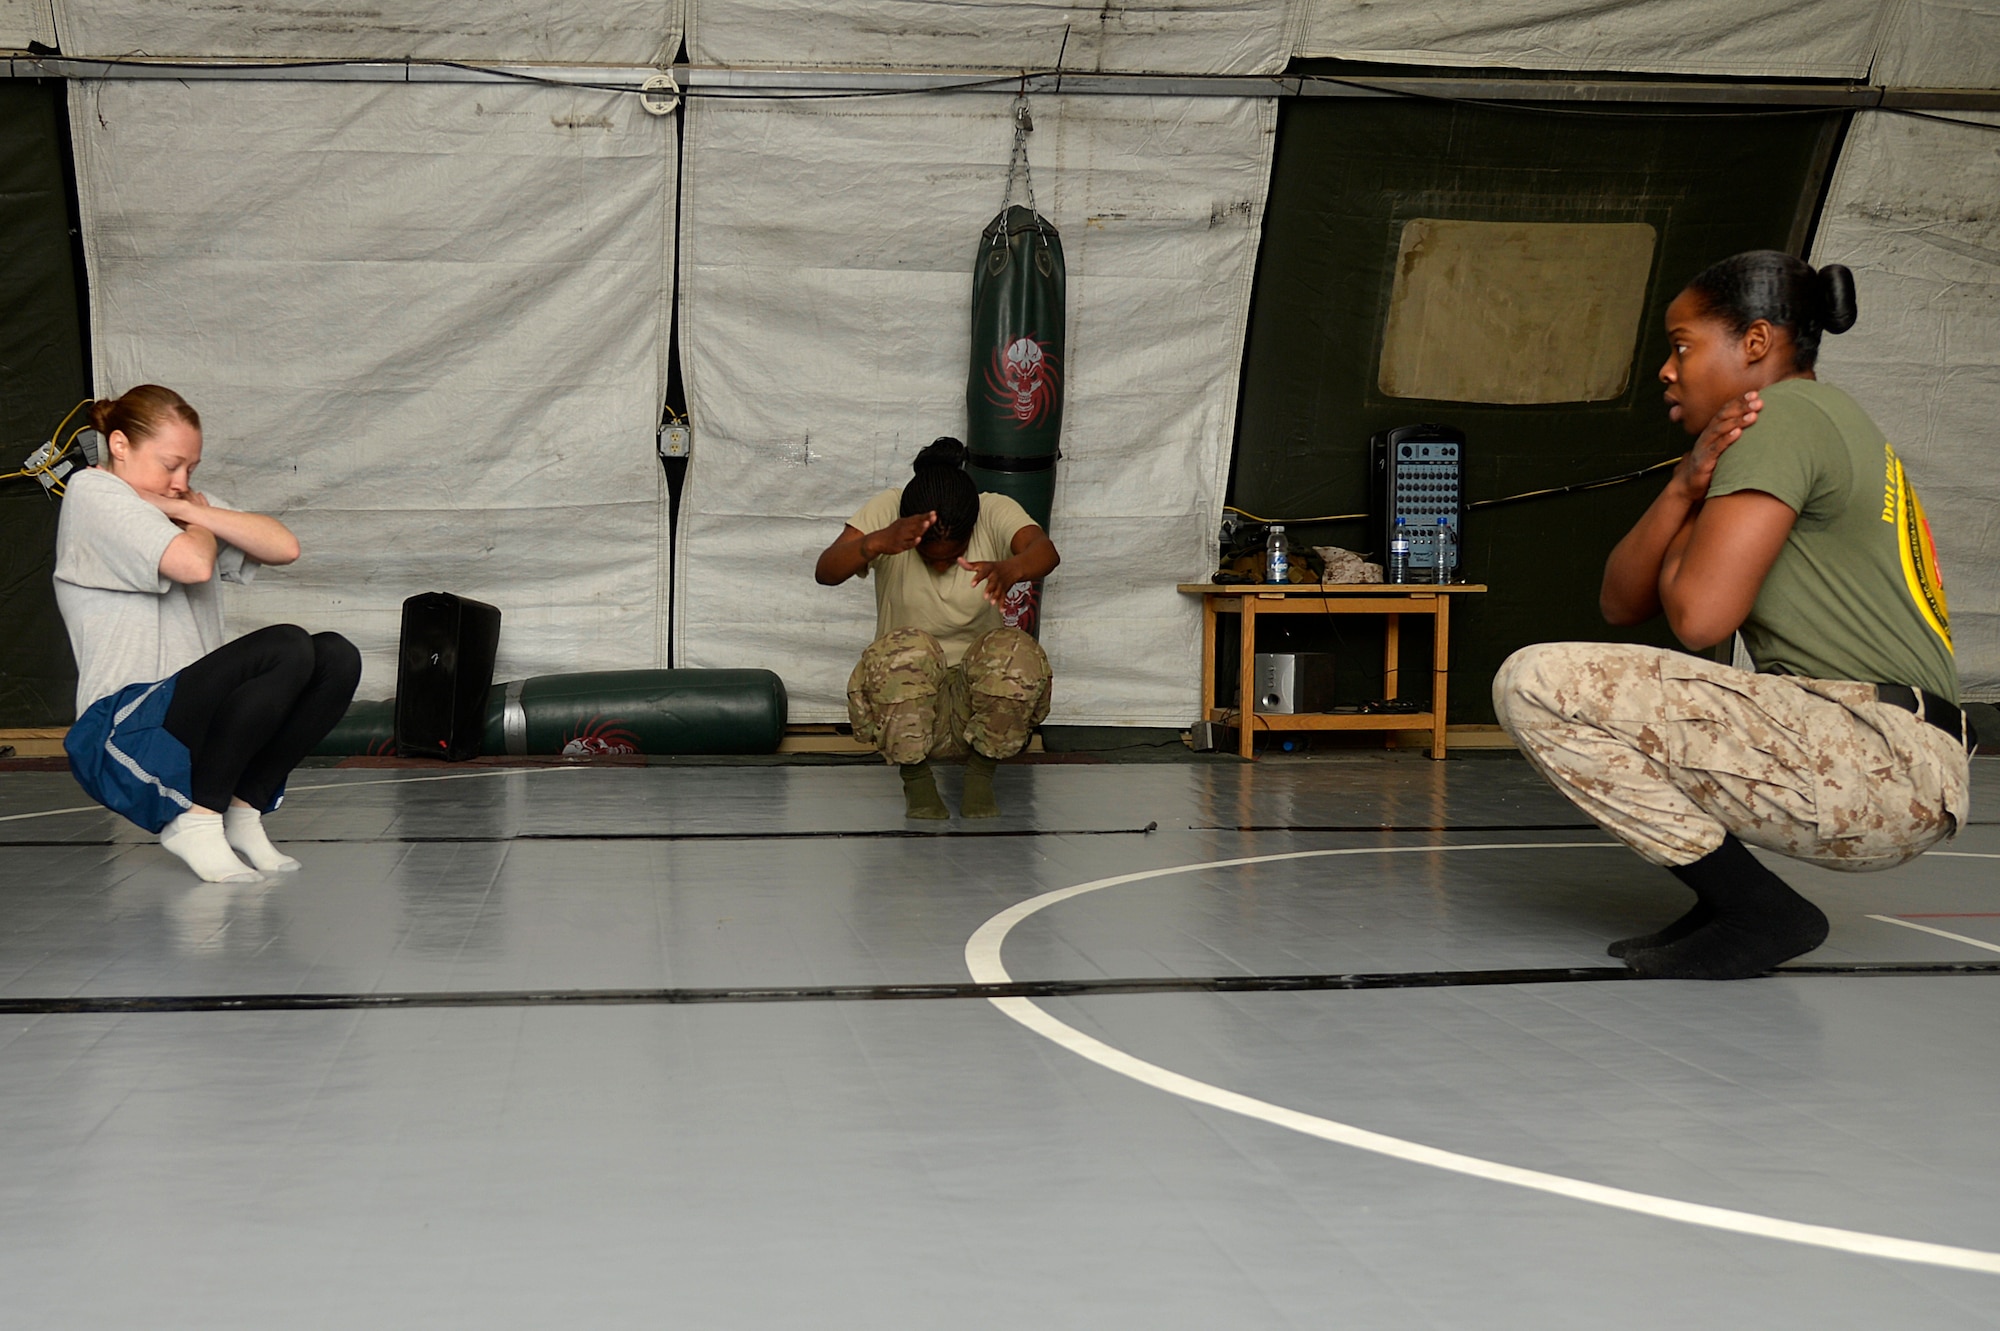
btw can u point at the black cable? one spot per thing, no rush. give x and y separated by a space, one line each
1599 484
1677 111
1619 479
1991 127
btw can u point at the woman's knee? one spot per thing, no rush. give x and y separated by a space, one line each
1569 681
1007 685
901 658
1006 656
285 650
1519 674
336 660
902 665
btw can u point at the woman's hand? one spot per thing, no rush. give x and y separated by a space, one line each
900 535
1697 467
264 539
993 577
854 550
174 507
1631 590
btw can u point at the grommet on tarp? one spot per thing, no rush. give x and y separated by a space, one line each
660 94
1013 394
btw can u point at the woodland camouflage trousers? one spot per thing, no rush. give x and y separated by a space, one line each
1669 752
908 705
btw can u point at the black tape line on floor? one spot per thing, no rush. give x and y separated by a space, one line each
1208 984
1401 827
899 833
903 833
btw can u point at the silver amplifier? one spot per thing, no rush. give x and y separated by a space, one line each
1290 682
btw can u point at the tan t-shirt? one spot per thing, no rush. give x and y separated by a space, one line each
945 605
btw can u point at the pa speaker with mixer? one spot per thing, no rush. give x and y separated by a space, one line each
1418 475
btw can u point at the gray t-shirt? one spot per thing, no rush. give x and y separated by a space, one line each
128 622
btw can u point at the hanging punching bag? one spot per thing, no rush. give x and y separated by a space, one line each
1014 393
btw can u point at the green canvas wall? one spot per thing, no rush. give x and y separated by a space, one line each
42 375
1348 174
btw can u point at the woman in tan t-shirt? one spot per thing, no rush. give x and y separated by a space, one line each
946 673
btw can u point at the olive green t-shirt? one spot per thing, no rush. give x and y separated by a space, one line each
945 605
1855 593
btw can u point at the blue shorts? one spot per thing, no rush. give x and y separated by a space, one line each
121 754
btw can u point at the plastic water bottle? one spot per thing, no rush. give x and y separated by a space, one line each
1398 569
1447 551
1277 563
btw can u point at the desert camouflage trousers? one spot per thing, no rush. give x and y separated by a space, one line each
908 705
1669 752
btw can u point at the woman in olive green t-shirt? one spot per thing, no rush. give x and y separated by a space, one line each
1793 522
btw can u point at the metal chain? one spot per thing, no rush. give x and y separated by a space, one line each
1017 166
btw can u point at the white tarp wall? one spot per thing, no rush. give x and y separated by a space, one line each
1911 212
424 324
444 305
1834 39
1940 44
24 21
626 32
826 286
1155 36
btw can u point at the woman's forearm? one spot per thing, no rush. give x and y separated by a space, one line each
1036 562
1631 590
263 538
845 558
190 557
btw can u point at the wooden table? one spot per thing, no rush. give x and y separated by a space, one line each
1393 601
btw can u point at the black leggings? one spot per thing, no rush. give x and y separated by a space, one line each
251 709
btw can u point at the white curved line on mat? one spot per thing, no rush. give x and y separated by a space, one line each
982 958
1941 933
324 785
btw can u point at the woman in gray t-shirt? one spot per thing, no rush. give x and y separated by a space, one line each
183 732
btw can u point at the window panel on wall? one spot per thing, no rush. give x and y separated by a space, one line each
1565 234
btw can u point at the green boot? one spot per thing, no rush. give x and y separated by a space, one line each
978 801
920 793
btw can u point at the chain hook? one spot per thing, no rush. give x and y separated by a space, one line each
1017 166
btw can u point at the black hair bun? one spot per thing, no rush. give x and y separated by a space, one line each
1836 291
946 452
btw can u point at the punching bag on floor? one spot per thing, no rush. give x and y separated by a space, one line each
1014 393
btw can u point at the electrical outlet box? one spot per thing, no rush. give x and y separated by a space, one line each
52 468
676 440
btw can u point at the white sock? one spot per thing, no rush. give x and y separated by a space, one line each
244 827
198 840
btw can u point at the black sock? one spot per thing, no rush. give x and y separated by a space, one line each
1757 922
1697 916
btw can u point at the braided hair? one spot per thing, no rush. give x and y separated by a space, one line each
1787 292
941 486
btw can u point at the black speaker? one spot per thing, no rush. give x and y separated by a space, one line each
443 670
1418 475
